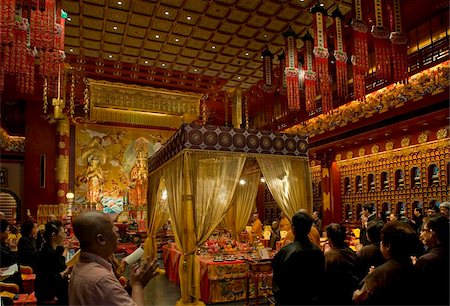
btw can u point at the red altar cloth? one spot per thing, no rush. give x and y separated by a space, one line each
219 281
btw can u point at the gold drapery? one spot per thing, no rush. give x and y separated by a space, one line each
289 182
244 201
157 217
200 188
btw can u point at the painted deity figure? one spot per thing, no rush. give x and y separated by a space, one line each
94 178
139 182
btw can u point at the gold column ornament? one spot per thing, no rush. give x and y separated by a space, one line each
44 96
86 97
72 96
58 103
236 107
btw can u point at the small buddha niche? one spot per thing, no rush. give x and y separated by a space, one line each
415 174
371 182
399 174
347 186
385 180
434 174
358 184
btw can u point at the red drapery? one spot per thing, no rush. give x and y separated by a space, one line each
340 55
309 74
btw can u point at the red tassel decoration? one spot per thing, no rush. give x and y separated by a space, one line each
361 53
268 87
291 70
321 56
340 55
381 42
399 47
309 74
282 85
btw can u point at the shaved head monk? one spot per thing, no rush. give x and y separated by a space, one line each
93 281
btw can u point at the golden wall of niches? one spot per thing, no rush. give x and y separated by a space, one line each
403 178
316 177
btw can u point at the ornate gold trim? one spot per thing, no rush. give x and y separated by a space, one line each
427 82
11 143
139 105
422 147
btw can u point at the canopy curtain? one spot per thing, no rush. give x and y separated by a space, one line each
244 201
157 213
200 188
289 182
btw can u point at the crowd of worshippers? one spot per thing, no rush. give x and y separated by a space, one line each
401 262
97 278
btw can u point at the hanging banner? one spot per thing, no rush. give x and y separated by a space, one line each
268 87
399 47
321 55
309 74
340 55
360 59
381 42
291 70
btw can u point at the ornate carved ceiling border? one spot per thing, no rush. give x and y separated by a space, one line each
133 104
11 143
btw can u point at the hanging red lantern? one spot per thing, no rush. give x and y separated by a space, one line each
291 70
321 55
340 55
309 74
361 53
399 47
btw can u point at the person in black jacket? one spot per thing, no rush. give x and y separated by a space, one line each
7 257
434 265
298 267
341 268
51 285
26 247
370 255
395 281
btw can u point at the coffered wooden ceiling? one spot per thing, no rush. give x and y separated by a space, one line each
220 39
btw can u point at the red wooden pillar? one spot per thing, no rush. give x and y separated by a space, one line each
62 159
326 192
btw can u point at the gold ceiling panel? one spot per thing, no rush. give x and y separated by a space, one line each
208 37
116 15
93 10
91 44
143 7
175 3
195 5
218 11
133 42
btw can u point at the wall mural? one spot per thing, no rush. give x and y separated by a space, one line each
111 168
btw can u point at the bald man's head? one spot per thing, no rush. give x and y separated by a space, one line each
96 233
2 215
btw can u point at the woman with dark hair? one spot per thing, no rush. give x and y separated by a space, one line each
27 249
395 281
341 268
51 284
7 257
434 266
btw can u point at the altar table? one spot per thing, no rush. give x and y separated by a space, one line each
224 281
